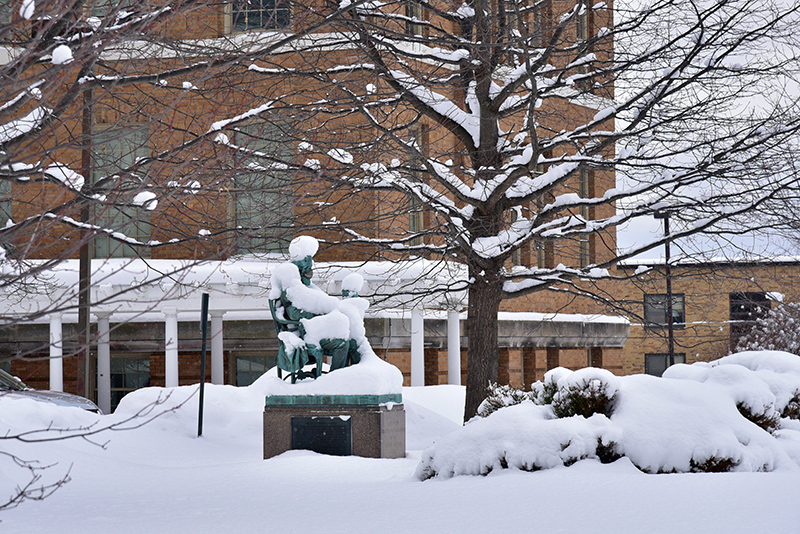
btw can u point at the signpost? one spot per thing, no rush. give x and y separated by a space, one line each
204 330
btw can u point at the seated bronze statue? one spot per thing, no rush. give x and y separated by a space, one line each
310 324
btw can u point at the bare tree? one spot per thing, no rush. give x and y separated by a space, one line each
511 136
486 132
135 130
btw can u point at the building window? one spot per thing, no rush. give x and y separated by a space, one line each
5 11
584 20
745 309
656 364
101 8
250 368
542 18
5 201
655 311
116 152
586 190
6 366
262 189
417 152
415 11
128 374
260 15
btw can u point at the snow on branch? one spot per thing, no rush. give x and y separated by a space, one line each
19 127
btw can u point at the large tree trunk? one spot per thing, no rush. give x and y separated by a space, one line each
483 363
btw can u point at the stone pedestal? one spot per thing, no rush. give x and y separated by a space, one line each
373 426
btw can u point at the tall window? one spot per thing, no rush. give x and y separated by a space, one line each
656 364
656 309
5 201
584 20
262 195
542 19
418 150
250 368
586 190
116 152
416 12
261 14
745 309
5 11
128 374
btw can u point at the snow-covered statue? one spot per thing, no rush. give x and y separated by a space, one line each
311 324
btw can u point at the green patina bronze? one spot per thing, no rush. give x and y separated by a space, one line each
333 400
287 318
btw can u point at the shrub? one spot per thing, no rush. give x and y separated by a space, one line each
792 410
586 392
712 464
768 419
498 396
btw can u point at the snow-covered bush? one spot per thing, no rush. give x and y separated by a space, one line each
734 414
792 409
585 392
500 396
778 330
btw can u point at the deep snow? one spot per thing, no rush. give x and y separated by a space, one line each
162 478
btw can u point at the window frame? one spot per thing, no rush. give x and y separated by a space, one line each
141 363
415 9
741 323
137 136
245 195
679 357
419 135
677 324
285 25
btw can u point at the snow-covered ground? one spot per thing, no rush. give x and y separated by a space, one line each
161 478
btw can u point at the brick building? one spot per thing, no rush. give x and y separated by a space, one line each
207 205
714 304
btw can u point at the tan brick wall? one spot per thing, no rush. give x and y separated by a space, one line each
706 289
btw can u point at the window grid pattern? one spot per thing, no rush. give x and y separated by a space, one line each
656 364
116 151
128 374
263 203
261 15
655 311
250 368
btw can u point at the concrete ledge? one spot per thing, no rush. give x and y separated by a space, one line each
376 430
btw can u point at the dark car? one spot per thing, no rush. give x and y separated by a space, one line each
11 385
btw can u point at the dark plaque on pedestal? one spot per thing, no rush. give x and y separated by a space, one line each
323 434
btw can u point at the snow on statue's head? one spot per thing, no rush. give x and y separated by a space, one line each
352 284
301 251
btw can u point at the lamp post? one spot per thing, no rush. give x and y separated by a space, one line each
668 273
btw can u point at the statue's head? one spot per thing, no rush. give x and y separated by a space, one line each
306 268
301 253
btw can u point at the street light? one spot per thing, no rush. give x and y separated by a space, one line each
668 272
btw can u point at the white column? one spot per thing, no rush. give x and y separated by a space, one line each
217 366
453 348
103 361
56 353
417 347
171 347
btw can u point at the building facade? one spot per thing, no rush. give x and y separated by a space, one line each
195 169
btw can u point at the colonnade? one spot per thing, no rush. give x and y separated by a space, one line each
171 368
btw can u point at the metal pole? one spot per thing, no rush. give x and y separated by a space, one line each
204 330
668 273
85 257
